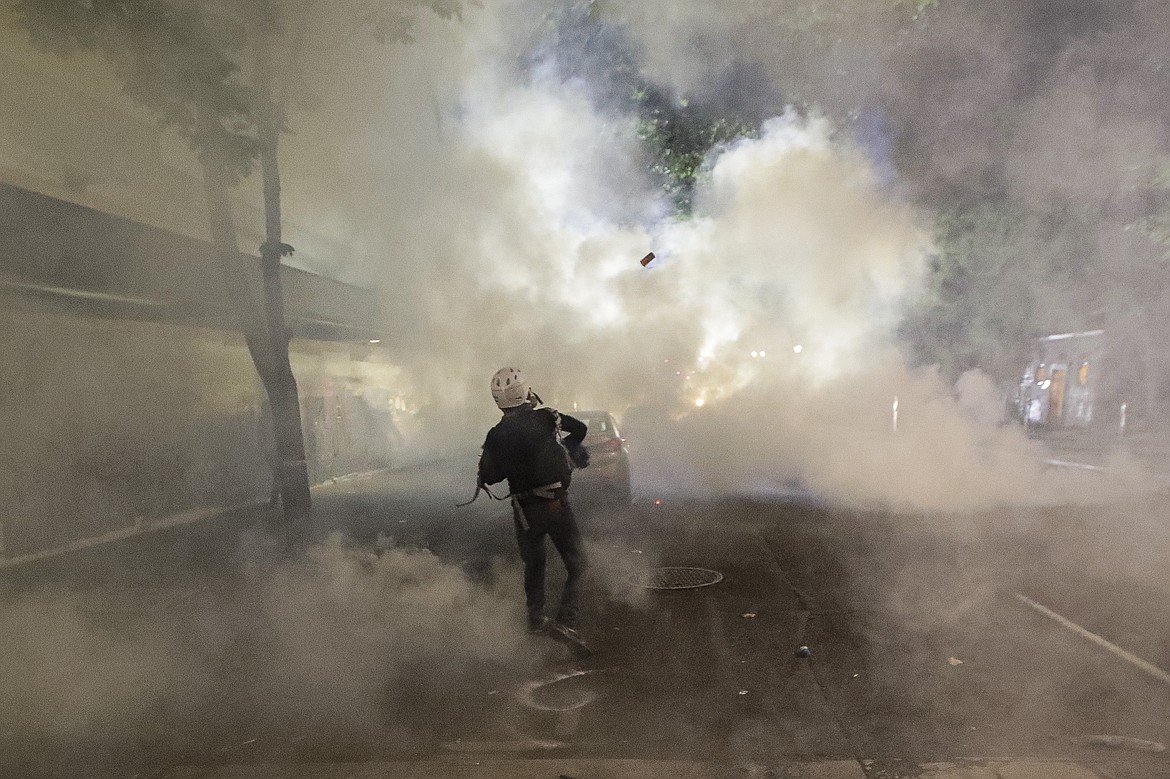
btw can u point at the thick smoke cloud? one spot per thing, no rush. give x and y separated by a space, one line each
500 219
496 197
1054 112
500 214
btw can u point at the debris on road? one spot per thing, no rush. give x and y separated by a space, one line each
1121 742
954 661
749 615
743 692
804 651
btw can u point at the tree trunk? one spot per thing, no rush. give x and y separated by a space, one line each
267 339
282 392
281 383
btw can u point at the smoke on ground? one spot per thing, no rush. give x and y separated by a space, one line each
344 639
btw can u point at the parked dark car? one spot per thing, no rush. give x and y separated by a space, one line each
608 474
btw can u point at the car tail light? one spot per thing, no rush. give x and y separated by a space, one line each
609 446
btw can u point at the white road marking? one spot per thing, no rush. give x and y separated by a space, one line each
526 695
1128 657
1121 742
1081 466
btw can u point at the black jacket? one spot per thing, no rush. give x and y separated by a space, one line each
523 448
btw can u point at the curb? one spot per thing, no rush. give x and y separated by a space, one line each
494 767
466 767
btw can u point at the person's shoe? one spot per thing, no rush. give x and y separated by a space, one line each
570 637
538 626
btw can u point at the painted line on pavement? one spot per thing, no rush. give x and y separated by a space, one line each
527 692
1081 466
1129 657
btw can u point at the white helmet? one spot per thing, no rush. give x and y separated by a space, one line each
509 389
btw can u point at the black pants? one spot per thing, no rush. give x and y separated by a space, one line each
553 518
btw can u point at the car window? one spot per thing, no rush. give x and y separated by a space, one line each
598 424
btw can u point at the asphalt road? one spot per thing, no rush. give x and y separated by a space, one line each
932 640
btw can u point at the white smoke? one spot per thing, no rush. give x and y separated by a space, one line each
505 223
341 636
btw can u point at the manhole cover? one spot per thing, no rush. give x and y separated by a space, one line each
675 578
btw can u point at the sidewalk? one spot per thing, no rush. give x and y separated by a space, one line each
200 532
1150 449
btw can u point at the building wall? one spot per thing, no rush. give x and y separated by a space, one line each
115 424
129 393
68 131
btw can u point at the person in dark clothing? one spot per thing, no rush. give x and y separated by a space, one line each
527 449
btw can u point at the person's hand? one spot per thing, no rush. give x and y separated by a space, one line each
579 456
